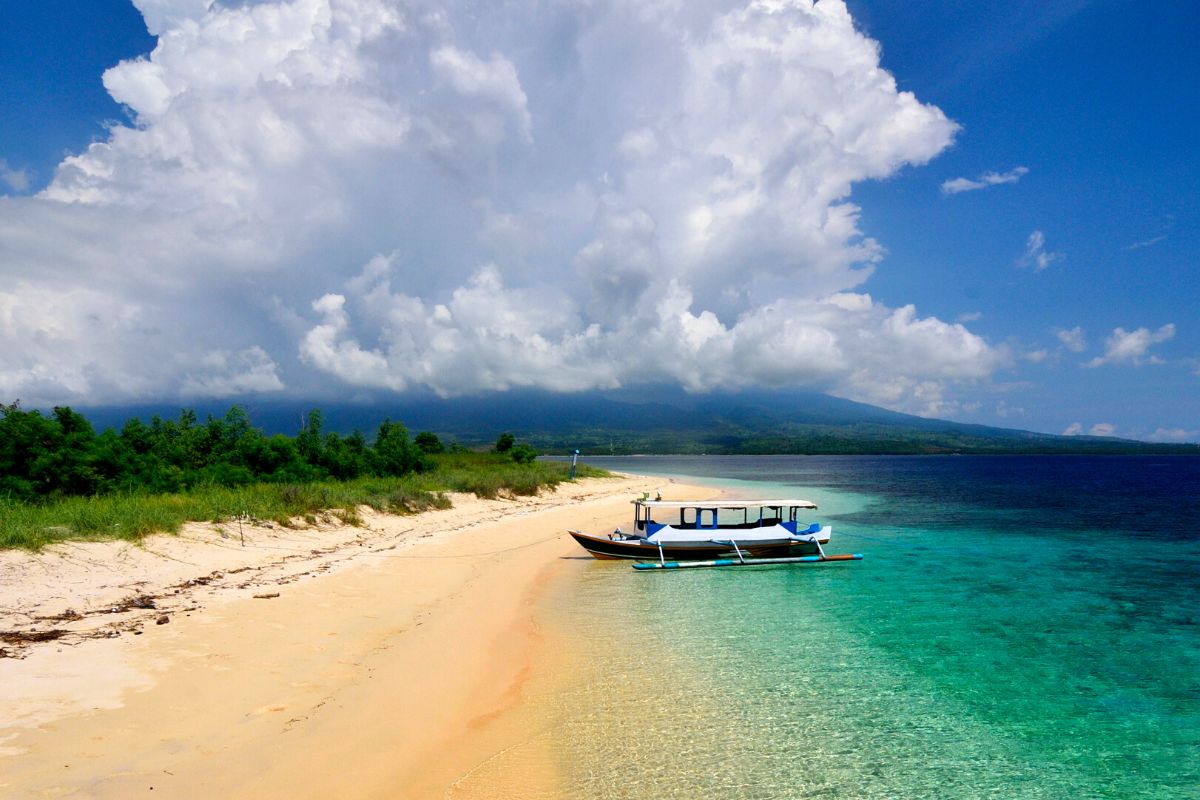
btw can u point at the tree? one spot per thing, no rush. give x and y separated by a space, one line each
505 443
25 436
429 443
308 441
66 465
394 453
344 459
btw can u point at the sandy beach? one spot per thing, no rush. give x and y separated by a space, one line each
391 660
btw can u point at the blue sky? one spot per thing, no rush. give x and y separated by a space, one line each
327 199
1099 101
52 54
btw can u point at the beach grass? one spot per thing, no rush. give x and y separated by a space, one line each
131 516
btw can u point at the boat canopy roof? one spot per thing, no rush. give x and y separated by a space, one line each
726 503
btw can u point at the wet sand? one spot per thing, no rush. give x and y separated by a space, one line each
391 661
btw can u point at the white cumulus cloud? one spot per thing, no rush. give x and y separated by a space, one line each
1174 435
1099 429
321 195
1132 347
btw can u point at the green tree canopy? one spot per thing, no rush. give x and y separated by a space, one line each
428 443
61 454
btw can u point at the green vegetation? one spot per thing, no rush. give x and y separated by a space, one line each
521 453
60 480
428 442
61 455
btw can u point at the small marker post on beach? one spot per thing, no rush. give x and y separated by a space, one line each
574 461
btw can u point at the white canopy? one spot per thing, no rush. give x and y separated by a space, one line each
726 503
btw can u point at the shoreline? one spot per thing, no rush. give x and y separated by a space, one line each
350 662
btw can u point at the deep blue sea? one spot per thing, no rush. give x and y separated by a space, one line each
1020 627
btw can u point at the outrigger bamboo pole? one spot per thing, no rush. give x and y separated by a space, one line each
747 562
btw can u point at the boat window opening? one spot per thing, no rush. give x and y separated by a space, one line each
711 517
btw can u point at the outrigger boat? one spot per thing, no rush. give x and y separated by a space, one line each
710 530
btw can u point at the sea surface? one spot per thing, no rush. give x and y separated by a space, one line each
1020 627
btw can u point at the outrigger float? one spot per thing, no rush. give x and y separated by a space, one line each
747 562
716 533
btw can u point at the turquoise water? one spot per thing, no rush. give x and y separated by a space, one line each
1024 628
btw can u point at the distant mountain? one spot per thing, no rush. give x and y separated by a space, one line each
662 420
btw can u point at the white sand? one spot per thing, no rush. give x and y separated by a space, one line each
345 662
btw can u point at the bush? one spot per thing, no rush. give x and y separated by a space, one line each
523 454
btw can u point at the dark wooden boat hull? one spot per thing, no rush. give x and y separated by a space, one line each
605 548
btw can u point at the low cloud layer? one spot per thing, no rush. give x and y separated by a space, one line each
1099 429
332 196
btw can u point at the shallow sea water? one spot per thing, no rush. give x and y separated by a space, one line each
1019 627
